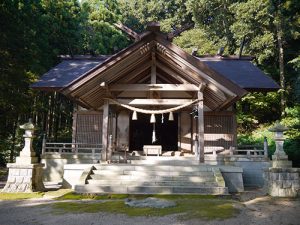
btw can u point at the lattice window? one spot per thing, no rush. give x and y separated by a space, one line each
88 128
219 130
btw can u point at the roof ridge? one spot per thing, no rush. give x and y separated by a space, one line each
84 57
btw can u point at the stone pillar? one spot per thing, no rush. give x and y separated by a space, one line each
282 179
26 174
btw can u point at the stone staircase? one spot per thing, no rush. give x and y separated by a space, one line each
153 178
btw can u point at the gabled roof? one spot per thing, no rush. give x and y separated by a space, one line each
67 72
87 80
242 72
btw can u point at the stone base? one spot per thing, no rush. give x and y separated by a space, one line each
26 160
233 177
283 182
24 178
281 164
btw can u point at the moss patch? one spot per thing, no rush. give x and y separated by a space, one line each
75 196
188 207
20 196
57 193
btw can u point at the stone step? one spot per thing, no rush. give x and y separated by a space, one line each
172 161
203 178
151 173
152 183
122 167
92 188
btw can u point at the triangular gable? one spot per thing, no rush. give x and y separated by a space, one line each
132 65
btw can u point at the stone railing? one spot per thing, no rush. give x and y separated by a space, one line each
248 151
71 148
251 150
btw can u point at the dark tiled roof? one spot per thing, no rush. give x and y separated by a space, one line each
66 72
243 73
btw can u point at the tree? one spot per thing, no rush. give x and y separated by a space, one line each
100 36
171 14
198 39
215 18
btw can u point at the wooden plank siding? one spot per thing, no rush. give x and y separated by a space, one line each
219 129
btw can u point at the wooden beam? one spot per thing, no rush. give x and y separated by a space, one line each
201 127
132 34
181 69
153 68
137 71
207 73
110 66
154 101
153 87
171 72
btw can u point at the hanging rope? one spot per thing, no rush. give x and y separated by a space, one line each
149 111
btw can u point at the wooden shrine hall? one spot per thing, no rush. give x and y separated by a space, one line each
152 98
155 78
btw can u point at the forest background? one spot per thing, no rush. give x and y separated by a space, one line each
34 33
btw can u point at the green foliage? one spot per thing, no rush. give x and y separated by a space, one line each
255 109
100 36
292 121
199 39
171 14
292 142
254 22
215 18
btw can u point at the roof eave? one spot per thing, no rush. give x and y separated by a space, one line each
254 89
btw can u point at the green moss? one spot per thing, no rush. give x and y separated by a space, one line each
187 206
58 193
75 196
20 196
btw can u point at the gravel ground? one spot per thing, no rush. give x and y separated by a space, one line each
261 210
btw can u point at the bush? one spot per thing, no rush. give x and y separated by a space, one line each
2 160
292 142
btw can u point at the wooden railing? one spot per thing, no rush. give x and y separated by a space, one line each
71 148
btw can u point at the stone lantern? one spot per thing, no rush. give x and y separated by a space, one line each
26 174
281 179
280 159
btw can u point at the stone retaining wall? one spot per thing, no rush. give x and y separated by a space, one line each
283 182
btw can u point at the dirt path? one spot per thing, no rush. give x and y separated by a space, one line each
262 210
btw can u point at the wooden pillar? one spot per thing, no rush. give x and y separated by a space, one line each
200 127
105 131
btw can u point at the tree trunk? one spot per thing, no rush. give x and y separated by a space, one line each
281 60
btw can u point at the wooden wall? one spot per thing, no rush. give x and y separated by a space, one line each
219 129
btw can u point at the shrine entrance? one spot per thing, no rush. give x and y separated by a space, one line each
166 132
